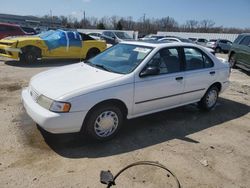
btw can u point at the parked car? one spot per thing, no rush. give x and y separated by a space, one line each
95 35
114 37
152 37
201 41
50 45
192 39
219 45
7 29
29 30
175 39
239 54
128 80
179 39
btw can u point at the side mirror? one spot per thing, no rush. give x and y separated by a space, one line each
150 71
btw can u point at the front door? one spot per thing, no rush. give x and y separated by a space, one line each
161 91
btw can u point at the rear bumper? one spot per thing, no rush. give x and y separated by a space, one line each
51 121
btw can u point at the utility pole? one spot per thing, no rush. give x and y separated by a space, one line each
51 18
84 18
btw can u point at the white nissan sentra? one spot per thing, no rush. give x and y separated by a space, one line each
128 80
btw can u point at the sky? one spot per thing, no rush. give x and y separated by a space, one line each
227 13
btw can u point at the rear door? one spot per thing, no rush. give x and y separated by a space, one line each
200 73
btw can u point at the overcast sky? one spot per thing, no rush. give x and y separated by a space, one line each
227 13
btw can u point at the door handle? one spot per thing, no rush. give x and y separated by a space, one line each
212 72
179 78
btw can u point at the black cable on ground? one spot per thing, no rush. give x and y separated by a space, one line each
107 177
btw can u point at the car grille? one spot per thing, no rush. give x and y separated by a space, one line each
2 51
34 94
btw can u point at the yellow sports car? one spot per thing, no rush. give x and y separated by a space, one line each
57 44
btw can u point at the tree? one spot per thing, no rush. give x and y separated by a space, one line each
100 26
119 26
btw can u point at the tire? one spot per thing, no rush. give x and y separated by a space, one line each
218 50
232 60
104 122
29 56
92 53
209 100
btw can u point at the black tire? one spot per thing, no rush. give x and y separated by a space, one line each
218 50
113 122
204 103
29 56
232 60
92 53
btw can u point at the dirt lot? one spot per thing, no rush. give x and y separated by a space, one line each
203 149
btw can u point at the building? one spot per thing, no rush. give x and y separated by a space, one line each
30 21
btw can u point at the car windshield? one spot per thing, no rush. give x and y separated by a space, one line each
121 58
123 35
46 34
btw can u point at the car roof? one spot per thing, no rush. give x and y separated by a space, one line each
157 44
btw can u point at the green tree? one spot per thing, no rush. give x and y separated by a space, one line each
119 26
100 26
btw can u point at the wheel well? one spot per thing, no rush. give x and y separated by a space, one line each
115 102
218 85
37 50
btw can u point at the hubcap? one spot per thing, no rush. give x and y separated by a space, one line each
211 98
106 123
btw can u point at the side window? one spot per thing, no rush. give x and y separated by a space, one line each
106 34
195 59
245 41
167 60
111 35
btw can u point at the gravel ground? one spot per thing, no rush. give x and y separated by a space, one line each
203 149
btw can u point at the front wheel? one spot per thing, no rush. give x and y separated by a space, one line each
104 122
218 50
232 60
28 57
209 100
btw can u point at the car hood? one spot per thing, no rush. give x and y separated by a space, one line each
20 38
61 82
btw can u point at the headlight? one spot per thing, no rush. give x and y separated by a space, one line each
54 106
60 107
44 101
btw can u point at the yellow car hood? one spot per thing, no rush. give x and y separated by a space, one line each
19 38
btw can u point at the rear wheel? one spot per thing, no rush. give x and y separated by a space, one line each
209 100
104 122
92 53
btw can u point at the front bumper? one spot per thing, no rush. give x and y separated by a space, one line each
51 121
9 52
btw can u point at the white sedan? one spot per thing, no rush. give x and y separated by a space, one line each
128 80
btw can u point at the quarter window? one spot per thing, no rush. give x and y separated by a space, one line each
167 60
195 59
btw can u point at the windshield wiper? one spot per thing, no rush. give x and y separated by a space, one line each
102 67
